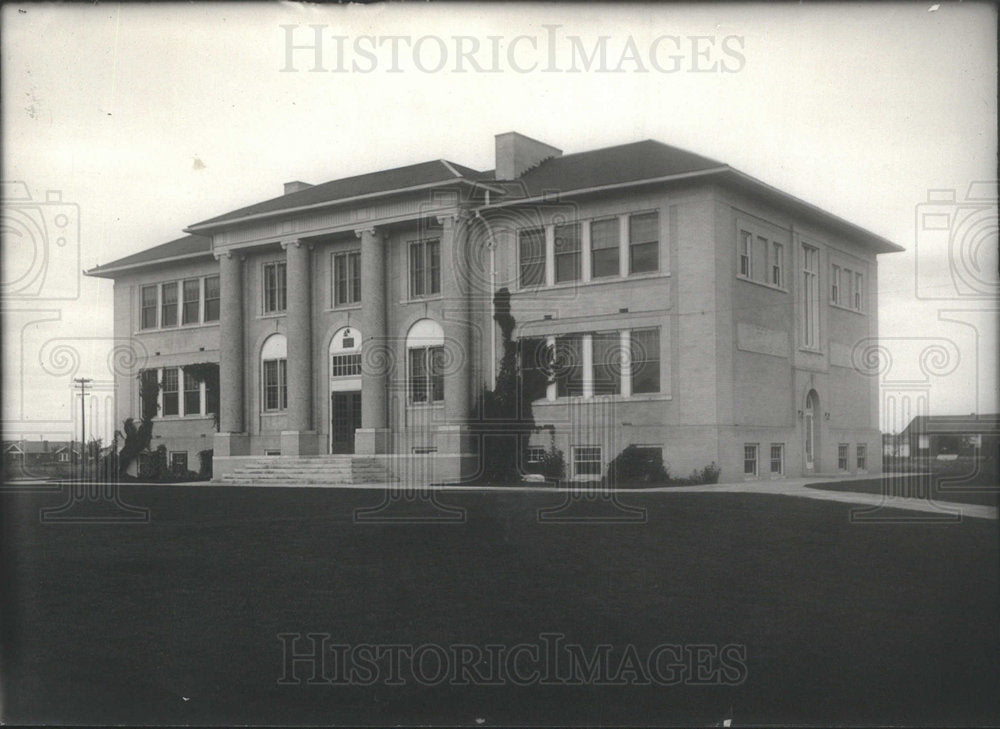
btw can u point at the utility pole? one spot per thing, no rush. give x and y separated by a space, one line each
83 382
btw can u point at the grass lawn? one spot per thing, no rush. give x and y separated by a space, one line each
977 491
842 623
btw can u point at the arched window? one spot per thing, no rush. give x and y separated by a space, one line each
425 361
274 373
345 353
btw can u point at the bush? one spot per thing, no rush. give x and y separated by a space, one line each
205 463
709 474
553 465
636 465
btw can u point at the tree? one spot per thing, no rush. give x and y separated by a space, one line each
136 438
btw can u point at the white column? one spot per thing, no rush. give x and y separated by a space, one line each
623 245
550 255
551 390
626 360
585 265
588 365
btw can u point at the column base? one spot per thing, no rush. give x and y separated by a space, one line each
371 441
230 444
454 439
299 443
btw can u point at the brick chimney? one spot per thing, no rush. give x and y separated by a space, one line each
295 186
516 154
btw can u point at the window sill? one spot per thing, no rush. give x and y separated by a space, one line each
184 418
619 279
640 397
421 299
848 309
765 285
182 328
425 405
811 350
273 315
344 307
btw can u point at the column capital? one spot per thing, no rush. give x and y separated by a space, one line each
452 219
297 242
219 255
371 231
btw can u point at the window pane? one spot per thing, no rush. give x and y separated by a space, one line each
192 301
434 254
148 307
416 269
271 384
604 248
282 302
169 386
437 373
418 375
355 275
569 365
283 382
212 298
340 279
587 460
531 244
168 308
607 363
645 356
644 257
192 395
644 243
567 252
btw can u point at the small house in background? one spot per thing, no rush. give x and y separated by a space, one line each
950 436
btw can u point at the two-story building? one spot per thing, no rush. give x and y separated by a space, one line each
693 309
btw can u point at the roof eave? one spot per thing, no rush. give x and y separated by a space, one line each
203 227
106 271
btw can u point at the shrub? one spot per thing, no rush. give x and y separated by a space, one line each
553 465
709 474
638 465
205 463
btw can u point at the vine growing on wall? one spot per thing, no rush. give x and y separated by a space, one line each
207 372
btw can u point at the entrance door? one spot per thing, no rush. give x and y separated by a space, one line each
345 416
812 406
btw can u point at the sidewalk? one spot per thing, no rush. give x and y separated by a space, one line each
798 487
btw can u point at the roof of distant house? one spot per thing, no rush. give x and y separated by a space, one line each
955 424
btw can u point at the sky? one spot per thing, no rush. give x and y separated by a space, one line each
122 124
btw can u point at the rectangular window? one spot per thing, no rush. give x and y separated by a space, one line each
862 456
569 365
604 247
274 288
345 365
275 375
777 264
810 297
149 307
192 395
644 243
178 462
746 241
750 459
858 287
347 278
567 252
587 460
425 268
190 313
842 456
835 284
170 387
168 305
535 454
777 458
212 298
607 361
645 358
427 374
531 245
